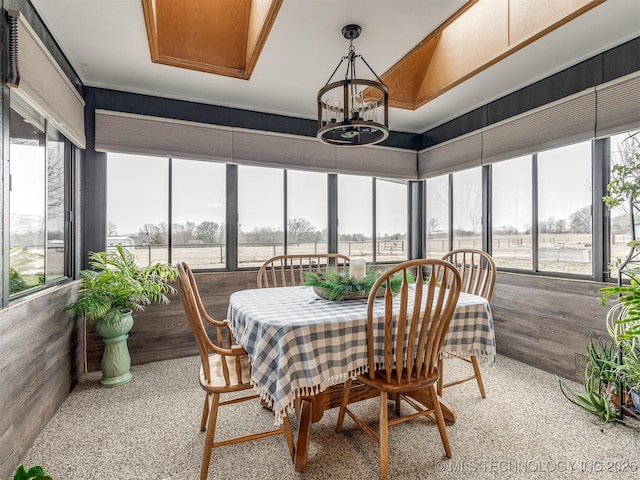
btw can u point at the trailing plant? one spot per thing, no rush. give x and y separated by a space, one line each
340 284
115 284
34 473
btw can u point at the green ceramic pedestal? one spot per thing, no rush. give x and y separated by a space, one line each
116 360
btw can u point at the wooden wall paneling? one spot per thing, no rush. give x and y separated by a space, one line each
41 359
546 321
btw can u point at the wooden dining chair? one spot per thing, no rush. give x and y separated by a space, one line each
403 346
224 369
478 272
289 270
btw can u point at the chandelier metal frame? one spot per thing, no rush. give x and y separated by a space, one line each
348 109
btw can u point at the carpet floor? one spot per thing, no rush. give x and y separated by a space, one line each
149 430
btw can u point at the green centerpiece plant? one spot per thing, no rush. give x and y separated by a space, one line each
109 292
338 286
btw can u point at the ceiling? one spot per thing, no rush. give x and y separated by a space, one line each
106 43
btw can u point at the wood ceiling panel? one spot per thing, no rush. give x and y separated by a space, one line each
224 37
404 79
528 18
480 34
193 33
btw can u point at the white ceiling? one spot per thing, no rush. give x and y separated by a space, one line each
106 43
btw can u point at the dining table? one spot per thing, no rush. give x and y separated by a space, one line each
303 348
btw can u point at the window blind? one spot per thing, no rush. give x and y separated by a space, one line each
447 157
569 120
44 85
143 134
618 105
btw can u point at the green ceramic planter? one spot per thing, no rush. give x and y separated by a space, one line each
116 361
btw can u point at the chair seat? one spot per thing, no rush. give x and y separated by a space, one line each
217 383
380 382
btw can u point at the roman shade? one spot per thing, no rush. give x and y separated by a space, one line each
618 105
458 154
142 134
43 84
251 147
566 121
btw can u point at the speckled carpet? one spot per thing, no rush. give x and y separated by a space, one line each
149 430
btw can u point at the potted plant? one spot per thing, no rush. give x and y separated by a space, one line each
109 292
600 381
629 370
34 473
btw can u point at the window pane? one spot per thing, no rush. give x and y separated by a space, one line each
467 209
391 220
27 198
261 215
307 212
437 216
137 205
624 149
355 223
564 209
511 220
198 213
55 204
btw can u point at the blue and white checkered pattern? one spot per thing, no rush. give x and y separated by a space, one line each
300 344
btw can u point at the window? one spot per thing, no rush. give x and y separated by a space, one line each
512 214
391 220
137 205
355 224
437 216
198 213
260 215
39 158
564 210
623 147
306 212
467 209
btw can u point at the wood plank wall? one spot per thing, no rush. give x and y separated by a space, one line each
41 359
545 322
540 321
162 332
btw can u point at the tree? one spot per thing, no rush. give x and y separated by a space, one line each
580 220
209 232
434 223
153 234
300 230
112 229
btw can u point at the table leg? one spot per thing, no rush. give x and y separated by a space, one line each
304 434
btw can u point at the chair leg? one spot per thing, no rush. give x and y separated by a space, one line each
440 378
384 436
286 425
205 413
476 369
343 404
398 398
211 430
440 420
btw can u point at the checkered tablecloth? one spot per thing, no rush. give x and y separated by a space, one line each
301 344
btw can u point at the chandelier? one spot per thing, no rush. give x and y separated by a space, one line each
353 111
